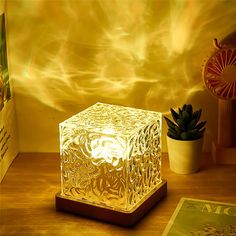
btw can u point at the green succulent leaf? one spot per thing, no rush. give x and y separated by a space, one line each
172 134
170 123
200 125
180 112
172 129
197 114
184 135
181 123
174 114
192 124
186 116
187 125
189 109
178 129
201 132
193 132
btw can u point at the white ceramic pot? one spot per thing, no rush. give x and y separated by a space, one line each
184 156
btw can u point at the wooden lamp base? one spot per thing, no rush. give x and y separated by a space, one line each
110 215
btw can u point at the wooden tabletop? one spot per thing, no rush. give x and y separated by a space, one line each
28 190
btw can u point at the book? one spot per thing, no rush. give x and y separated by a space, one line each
196 217
8 131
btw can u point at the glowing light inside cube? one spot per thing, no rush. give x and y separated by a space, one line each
111 156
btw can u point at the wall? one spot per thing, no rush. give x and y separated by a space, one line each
66 55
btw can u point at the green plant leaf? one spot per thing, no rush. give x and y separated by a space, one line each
192 124
174 114
200 125
197 114
180 112
173 134
178 130
201 132
184 107
181 124
189 109
187 125
186 117
170 123
184 136
190 135
173 128
193 133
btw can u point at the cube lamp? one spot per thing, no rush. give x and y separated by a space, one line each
111 163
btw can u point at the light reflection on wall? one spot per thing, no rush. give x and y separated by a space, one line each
66 55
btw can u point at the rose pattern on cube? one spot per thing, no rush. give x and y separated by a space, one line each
107 158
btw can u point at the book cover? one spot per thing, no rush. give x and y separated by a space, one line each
195 217
8 132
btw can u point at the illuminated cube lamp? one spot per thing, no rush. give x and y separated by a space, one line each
111 163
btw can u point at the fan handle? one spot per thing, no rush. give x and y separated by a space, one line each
226 123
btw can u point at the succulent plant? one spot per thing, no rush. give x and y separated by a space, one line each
186 125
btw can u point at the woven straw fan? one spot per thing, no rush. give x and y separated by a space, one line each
219 75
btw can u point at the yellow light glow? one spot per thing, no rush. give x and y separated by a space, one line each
90 49
66 55
111 156
110 148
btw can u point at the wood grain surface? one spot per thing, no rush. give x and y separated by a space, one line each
28 191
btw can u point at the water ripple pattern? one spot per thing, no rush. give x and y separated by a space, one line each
110 155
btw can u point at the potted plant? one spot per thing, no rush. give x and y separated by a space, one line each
185 139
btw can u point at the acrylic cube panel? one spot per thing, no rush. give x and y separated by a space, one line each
111 156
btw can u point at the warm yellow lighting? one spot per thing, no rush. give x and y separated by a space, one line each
143 53
111 156
80 51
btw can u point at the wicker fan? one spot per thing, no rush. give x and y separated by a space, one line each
219 75
220 72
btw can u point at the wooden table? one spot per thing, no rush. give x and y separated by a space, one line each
27 198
